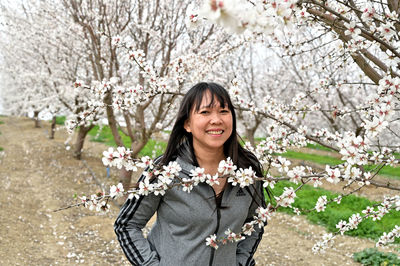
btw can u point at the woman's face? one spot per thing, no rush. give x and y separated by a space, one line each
211 126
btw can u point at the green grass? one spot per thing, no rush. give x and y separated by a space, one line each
1 149
318 147
314 146
320 159
391 172
60 120
308 196
158 146
1 122
105 136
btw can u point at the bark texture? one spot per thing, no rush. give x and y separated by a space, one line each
80 140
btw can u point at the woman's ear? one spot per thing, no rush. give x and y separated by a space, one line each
186 125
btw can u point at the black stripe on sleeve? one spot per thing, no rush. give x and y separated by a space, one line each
126 214
126 242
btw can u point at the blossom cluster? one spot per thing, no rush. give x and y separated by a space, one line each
354 149
257 16
356 219
127 97
298 173
382 103
387 238
121 157
321 204
321 246
286 198
212 240
247 229
97 202
158 180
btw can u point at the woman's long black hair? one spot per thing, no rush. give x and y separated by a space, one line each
181 143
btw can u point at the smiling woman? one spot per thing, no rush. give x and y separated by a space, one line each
204 134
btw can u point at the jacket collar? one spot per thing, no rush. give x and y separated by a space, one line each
185 165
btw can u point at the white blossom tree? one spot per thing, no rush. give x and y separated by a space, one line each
141 54
43 66
365 35
138 57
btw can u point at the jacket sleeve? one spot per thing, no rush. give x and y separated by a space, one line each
248 246
133 217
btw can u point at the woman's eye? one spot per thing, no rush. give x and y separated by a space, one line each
204 112
225 111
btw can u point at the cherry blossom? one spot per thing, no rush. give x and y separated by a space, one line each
232 237
222 12
387 30
321 246
211 241
117 191
108 157
296 173
226 167
243 177
321 204
198 175
187 185
248 228
145 187
287 197
368 13
333 175
352 29
212 179
264 213
389 237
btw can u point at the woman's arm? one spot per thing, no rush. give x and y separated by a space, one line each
248 246
134 215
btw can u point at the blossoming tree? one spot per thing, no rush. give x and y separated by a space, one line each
367 36
47 57
141 56
141 63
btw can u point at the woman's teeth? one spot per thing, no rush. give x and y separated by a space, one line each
216 132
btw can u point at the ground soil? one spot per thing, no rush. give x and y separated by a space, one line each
39 175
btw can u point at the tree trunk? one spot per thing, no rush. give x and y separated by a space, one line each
250 136
53 127
125 178
80 140
36 119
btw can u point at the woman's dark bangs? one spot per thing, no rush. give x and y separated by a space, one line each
215 94
221 99
198 98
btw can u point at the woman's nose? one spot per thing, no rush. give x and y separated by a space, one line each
216 119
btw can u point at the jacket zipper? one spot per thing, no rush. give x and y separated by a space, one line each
216 229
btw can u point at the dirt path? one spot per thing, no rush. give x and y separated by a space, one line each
39 175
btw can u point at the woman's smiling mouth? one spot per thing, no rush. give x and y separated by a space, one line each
215 132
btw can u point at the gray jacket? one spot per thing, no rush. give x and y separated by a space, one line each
185 220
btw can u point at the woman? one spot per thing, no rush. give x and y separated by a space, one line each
204 134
